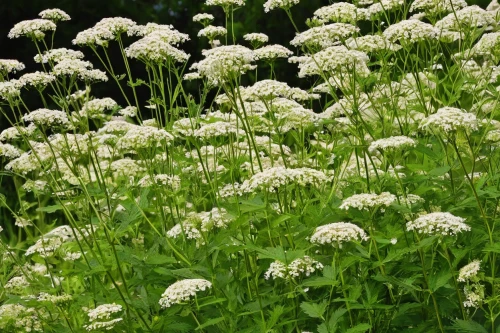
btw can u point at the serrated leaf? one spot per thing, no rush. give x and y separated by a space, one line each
468 326
313 310
439 280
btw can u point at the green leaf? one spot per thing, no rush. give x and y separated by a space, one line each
468 326
359 328
49 209
439 280
439 171
210 322
313 310
160 259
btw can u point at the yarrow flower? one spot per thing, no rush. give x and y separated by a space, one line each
410 31
391 144
469 271
224 62
57 55
258 38
339 12
272 52
55 15
276 177
325 35
366 201
203 18
284 4
32 28
338 233
449 119
10 66
438 224
182 291
211 32
156 47
100 317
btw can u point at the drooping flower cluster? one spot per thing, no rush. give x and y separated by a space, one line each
469 271
100 317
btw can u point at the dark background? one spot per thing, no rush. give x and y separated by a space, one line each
179 13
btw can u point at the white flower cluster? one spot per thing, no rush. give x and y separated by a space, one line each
270 89
104 31
469 271
332 60
365 201
164 31
371 43
57 55
466 18
79 68
172 182
96 107
143 137
438 224
216 129
37 79
9 151
383 6
22 318
225 62
437 6
32 28
203 17
474 295
325 35
272 52
285 4
256 37
339 12
449 119
410 31
100 317
157 47
49 118
129 111
225 3
10 66
276 177
17 284
211 32
9 89
55 299
182 291
188 229
338 233
54 14
392 144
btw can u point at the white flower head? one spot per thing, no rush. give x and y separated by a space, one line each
338 233
182 291
438 223
32 28
469 271
55 15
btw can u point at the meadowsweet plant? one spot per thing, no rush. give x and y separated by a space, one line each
364 199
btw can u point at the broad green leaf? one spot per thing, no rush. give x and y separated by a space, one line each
210 322
313 310
360 328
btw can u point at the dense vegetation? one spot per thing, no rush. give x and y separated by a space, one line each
343 180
